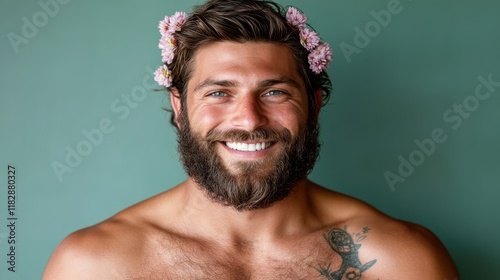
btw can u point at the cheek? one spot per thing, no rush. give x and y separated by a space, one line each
205 118
294 117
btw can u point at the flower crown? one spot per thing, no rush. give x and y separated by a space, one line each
320 53
168 45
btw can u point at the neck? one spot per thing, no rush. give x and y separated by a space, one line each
290 216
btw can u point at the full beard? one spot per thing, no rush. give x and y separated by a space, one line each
258 184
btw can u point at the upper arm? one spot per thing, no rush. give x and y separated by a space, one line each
77 257
417 254
436 260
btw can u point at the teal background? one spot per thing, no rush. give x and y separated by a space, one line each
71 74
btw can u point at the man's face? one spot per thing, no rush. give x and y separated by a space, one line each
244 134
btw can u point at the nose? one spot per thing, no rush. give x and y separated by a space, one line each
248 113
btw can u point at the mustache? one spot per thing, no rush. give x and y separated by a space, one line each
259 135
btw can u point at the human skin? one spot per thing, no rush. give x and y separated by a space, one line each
182 234
232 94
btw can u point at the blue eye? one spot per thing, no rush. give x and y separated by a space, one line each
218 94
274 93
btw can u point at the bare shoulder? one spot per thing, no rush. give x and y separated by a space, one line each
118 246
398 249
96 252
410 251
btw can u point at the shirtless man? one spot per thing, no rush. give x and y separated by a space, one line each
247 80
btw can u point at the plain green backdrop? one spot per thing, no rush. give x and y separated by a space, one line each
71 72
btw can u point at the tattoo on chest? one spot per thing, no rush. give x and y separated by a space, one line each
343 244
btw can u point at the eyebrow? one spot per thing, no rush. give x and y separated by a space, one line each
232 83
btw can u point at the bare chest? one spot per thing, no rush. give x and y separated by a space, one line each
331 257
221 266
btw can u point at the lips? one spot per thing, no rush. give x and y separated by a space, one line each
248 147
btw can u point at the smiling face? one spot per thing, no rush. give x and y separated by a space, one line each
244 133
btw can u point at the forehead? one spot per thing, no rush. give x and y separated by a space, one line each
245 63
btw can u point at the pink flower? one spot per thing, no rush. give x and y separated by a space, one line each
172 24
167 55
320 58
164 26
176 21
295 18
167 45
163 76
167 41
309 39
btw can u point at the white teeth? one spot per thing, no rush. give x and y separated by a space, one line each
248 147
251 147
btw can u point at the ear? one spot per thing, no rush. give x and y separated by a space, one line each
175 101
318 98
